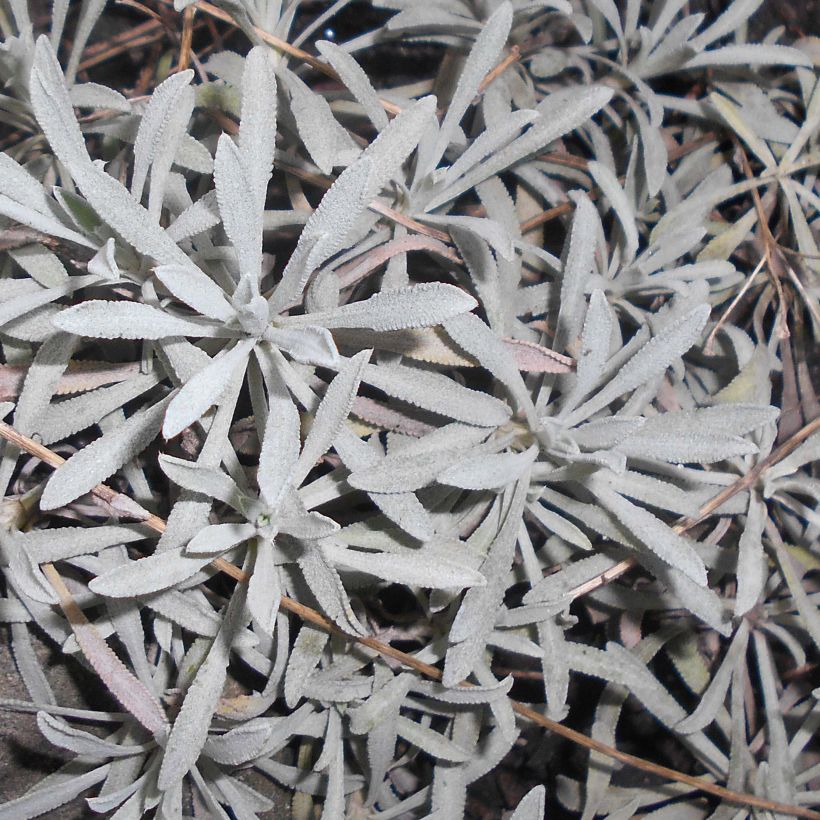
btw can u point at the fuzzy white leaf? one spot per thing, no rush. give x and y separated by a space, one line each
159 571
264 590
328 589
430 741
488 472
570 108
407 307
42 265
395 143
43 801
325 231
403 508
482 57
206 388
674 549
330 415
190 729
608 183
205 480
435 392
750 54
406 568
475 338
309 344
650 361
68 542
257 126
479 609
488 142
93 95
703 436
191 286
241 217
217 538
326 141
103 457
532 805
280 445
106 195
403 472
126 320
304 658
357 82
61 734
196 218
711 699
165 100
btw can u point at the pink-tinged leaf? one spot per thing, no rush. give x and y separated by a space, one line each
357 269
535 358
125 687
382 417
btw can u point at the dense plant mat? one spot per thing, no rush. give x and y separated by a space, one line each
408 408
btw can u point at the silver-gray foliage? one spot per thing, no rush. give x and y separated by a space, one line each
470 336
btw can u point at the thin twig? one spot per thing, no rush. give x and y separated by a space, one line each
773 261
743 483
187 38
311 616
710 340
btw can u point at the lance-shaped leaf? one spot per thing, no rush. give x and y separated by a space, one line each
159 571
264 589
326 141
711 700
257 125
672 548
532 805
357 82
304 658
59 733
309 344
190 729
608 183
562 111
480 60
205 480
391 148
191 286
126 320
154 124
650 361
280 443
430 741
438 393
325 231
488 142
103 457
327 587
106 195
403 472
405 568
475 338
479 609
578 268
403 508
407 307
217 538
43 801
490 471
240 215
330 415
206 388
